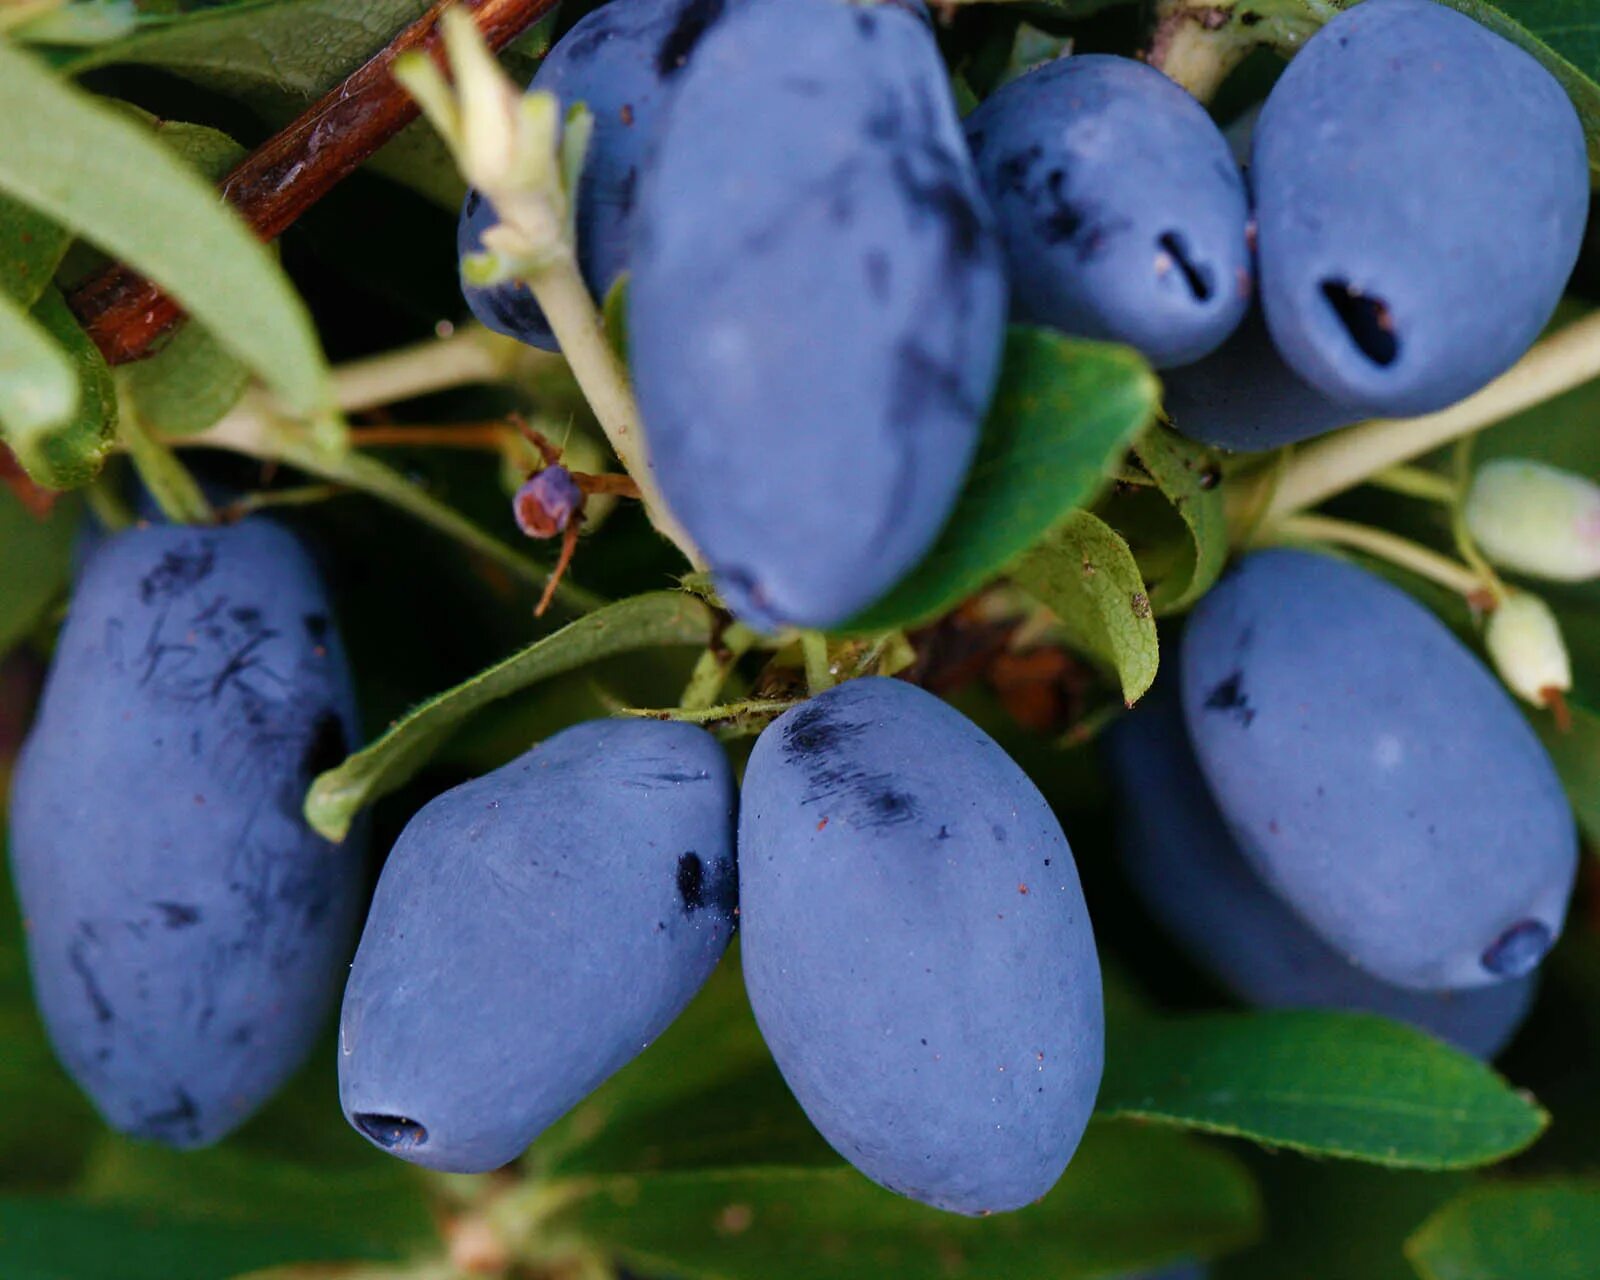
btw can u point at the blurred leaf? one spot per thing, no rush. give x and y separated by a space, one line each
1541 1231
1186 474
705 1096
1132 1198
1085 575
1576 755
71 453
45 1123
80 22
187 385
277 58
1062 418
643 622
38 385
43 1239
103 175
31 248
1326 1083
381 1204
1332 1220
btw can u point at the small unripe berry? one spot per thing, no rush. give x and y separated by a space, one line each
1524 641
547 501
1536 519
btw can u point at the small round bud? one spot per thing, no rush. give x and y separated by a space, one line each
547 501
1536 519
1524 641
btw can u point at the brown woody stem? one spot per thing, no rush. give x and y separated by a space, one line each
126 314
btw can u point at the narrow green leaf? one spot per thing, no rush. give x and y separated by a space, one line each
44 1239
1085 574
31 248
1065 412
71 453
643 622
38 384
1133 1198
35 563
1538 1231
1334 1084
1187 476
101 174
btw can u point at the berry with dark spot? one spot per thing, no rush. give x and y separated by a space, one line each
816 307
942 1029
620 60
1421 191
1121 208
1185 865
1384 784
187 929
533 930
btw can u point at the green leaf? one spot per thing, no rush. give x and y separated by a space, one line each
71 453
186 386
278 57
1065 412
1539 1231
643 622
1576 755
1334 1220
1133 1198
1335 1084
1186 475
43 1239
101 174
38 384
380 1206
1085 574
35 564
31 248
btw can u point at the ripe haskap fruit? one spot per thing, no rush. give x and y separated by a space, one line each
1243 397
917 949
1121 208
1421 190
186 928
1185 865
816 307
533 930
620 60
1375 774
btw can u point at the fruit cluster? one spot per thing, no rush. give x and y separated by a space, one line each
1331 802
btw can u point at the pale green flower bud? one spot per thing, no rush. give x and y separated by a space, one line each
1524 641
1536 519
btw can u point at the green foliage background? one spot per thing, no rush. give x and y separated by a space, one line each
1314 1145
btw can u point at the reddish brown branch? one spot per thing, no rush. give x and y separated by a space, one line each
276 183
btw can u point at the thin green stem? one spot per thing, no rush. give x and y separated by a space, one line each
819 668
1329 466
711 672
1417 482
170 485
706 715
304 495
1390 547
107 506
282 442
1466 545
576 322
